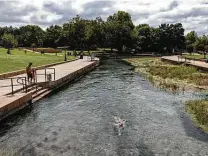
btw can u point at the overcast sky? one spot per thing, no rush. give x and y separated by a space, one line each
193 14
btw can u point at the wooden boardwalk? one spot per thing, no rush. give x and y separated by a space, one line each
64 71
60 71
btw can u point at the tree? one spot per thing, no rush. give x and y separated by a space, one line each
74 32
53 36
31 34
201 43
144 37
8 41
191 37
119 27
33 45
171 37
190 48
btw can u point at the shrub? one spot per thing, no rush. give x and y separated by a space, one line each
199 79
199 111
180 72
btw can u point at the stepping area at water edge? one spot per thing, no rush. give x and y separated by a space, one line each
63 73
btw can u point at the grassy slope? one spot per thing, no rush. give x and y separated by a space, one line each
194 56
198 110
19 60
155 67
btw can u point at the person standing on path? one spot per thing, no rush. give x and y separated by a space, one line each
29 72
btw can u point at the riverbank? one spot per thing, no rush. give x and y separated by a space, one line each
168 76
198 110
176 78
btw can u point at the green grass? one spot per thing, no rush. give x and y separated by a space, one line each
199 56
19 60
198 110
168 71
160 71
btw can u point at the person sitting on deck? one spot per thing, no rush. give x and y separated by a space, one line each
29 72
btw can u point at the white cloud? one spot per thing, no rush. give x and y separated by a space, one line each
193 14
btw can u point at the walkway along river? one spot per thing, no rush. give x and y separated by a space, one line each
77 121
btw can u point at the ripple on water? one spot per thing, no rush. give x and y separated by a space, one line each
78 120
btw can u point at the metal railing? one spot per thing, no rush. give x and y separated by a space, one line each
46 74
20 81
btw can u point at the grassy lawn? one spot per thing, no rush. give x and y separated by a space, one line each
198 111
167 73
198 56
19 60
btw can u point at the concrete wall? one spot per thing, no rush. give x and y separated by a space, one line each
15 105
72 76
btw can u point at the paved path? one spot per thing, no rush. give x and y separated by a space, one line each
61 71
54 54
193 62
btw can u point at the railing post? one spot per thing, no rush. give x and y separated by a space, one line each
26 84
12 86
54 74
36 80
23 84
45 74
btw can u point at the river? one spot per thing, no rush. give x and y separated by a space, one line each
78 120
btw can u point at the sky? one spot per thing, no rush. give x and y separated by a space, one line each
193 14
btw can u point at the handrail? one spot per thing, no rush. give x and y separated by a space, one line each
23 80
24 84
46 74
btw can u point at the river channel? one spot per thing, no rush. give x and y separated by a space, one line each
78 120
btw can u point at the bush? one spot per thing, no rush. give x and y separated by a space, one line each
200 79
199 112
180 72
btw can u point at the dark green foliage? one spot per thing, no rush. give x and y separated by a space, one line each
199 112
118 32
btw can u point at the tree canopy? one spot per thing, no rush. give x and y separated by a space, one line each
116 32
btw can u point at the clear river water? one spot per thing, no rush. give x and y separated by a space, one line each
78 120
